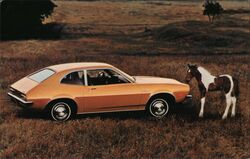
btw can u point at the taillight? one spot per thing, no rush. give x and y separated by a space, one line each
23 96
18 93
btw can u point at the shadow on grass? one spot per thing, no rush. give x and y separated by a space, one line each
236 11
48 31
184 111
180 110
32 114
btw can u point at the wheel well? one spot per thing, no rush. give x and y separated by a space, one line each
169 97
69 101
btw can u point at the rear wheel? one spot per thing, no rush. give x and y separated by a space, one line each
158 107
60 111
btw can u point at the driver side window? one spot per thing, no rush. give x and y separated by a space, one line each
104 77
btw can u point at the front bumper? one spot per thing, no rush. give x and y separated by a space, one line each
188 99
21 102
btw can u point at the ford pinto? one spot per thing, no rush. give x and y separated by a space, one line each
80 88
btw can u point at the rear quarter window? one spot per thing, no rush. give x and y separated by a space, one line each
41 75
76 78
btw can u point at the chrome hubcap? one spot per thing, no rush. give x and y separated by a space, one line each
61 111
159 108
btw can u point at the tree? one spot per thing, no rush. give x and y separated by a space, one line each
23 18
212 9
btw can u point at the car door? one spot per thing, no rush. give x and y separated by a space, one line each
111 96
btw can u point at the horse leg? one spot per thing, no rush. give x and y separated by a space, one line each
229 102
233 107
202 107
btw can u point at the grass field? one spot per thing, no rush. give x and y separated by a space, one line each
141 38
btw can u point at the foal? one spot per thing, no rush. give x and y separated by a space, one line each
208 82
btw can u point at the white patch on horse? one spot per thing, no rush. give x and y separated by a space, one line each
206 77
202 107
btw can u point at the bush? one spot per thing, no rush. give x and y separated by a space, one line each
23 18
212 9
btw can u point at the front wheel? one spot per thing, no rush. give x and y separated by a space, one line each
158 107
60 111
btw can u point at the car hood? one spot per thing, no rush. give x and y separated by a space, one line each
24 85
155 80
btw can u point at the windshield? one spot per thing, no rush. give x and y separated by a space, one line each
41 75
125 74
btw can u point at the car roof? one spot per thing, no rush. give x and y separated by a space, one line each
79 65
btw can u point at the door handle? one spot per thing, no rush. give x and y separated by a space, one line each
92 88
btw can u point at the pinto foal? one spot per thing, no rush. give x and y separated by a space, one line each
208 82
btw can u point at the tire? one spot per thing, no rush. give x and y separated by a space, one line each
60 111
158 107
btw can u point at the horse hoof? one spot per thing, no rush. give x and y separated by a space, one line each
224 117
201 115
232 115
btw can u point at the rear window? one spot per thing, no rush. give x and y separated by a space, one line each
41 75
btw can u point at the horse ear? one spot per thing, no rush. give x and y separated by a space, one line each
196 65
188 65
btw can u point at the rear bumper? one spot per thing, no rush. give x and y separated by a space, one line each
20 101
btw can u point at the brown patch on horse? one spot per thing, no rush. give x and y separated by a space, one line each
202 89
220 83
195 73
236 90
201 86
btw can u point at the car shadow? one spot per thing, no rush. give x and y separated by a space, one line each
186 112
32 114
137 115
179 110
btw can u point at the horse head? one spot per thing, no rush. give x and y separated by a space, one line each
191 72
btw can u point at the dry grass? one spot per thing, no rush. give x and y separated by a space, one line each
105 36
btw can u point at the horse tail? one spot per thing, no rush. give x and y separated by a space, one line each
236 87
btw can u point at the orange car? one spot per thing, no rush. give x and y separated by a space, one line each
80 88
